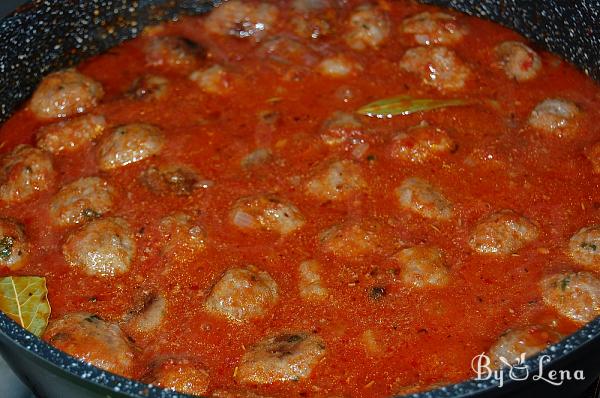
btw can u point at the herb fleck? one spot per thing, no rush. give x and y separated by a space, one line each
565 283
90 213
588 246
6 245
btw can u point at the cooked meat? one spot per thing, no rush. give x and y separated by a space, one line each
242 294
65 93
503 232
82 200
419 196
24 172
129 144
70 135
93 340
283 357
103 247
14 245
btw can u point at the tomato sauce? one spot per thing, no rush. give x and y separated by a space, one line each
423 337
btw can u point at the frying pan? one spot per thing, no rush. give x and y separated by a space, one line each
47 35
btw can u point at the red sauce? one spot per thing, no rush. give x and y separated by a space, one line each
425 336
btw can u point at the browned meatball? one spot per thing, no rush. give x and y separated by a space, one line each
368 27
574 296
516 344
419 196
65 93
280 358
423 266
266 212
241 19
584 247
70 135
519 61
184 375
421 143
173 52
149 316
14 247
351 239
184 237
129 144
503 232
93 340
337 181
242 294
82 200
436 66
149 88
213 80
171 179
311 285
555 116
103 247
435 28
24 172
341 128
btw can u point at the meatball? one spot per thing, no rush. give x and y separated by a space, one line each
129 144
314 18
256 158
284 357
337 66
24 172
421 143
70 135
419 196
593 155
584 247
150 316
149 88
289 52
575 296
555 116
242 294
436 66
423 266
501 233
171 179
518 343
519 61
65 93
434 28
341 128
350 239
311 286
173 52
184 237
104 247
266 212
93 340
82 200
338 181
368 27
184 375
240 19
214 80
14 247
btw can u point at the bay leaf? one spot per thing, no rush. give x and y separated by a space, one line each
25 300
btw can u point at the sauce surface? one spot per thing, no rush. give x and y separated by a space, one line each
387 251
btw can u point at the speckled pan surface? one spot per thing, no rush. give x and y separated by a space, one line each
48 35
